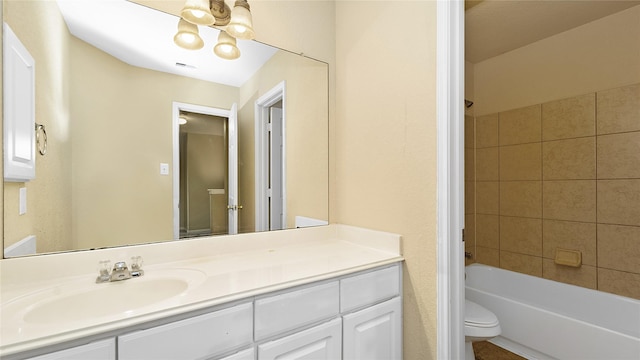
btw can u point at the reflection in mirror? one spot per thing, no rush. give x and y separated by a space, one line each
109 113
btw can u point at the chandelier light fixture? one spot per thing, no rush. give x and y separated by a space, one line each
233 24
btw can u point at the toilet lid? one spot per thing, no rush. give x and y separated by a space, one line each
478 316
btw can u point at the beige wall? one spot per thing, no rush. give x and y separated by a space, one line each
385 139
603 54
556 156
39 25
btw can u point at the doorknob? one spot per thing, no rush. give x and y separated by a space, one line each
234 207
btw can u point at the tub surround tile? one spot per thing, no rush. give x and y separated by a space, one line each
569 235
618 110
488 231
469 164
619 282
488 197
619 247
526 264
521 235
571 159
487 164
521 198
569 118
520 126
469 197
619 156
487 131
521 162
469 132
585 275
619 202
573 200
487 256
470 230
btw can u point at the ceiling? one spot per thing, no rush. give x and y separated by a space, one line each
143 37
494 27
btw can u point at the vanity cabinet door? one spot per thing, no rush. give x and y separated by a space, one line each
322 342
247 354
374 333
199 337
99 350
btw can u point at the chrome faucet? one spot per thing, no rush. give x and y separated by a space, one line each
120 270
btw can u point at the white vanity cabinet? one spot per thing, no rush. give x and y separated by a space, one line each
199 337
99 350
354 316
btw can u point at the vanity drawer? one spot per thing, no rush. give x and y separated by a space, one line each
369 288
194 338
294 309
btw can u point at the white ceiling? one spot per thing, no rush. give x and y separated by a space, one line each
143 37
494 27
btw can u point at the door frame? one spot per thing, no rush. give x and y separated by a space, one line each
450 178
177 107
261 109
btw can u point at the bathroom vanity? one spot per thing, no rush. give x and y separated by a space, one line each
332 292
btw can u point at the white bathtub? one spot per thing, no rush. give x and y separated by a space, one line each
544 319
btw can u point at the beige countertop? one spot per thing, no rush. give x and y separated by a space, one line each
217 270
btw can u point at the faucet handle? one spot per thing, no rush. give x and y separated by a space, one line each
120 266
136 266
103 269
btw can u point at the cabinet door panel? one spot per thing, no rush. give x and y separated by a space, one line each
194 338
322 342
375 332
248 354
99 350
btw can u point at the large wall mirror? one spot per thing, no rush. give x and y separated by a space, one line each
121 169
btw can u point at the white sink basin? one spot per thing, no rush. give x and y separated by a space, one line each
79 301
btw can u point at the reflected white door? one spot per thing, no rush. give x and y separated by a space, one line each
233 207
276 201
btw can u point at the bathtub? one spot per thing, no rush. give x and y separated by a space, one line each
544 319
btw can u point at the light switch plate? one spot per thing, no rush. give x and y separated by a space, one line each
23 200
164 169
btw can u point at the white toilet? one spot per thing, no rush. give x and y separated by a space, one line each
479 324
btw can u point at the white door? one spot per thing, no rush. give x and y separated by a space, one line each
322 342
233 207
276 209
374 333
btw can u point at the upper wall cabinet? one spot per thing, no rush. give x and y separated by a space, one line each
19 110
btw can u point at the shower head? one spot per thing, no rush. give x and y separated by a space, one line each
468 103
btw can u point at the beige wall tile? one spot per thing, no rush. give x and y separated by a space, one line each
569 118
526 264
488 231
469 164
619 155
521 198
488 197
619 202
573 200
487 131
569 235
618 110
521 162
619 247
469 132
469 230
585 276
570 159
520 126
521 235
619 282
487 164
469 197
487 256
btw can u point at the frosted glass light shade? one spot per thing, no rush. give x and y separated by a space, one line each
187 36
197 12
226 47
241 24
